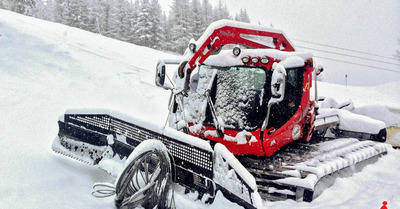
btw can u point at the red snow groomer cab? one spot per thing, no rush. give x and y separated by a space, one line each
253 97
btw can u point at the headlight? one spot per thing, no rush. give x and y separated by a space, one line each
236 51
255 60
192 47
265 60
245 60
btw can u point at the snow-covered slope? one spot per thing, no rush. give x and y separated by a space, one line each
46 68
384 95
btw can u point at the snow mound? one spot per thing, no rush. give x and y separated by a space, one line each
389 115
379 112
359 123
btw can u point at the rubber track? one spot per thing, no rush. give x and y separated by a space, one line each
267 170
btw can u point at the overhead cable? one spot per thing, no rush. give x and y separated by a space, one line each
341 48
348 55
395 71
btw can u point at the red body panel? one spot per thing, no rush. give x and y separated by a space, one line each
254 148
271 142
232 35
299 126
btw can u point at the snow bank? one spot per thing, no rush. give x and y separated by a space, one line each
383 95
389 115
359 123
352 122
379 112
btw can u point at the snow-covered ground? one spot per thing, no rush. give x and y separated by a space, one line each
46 68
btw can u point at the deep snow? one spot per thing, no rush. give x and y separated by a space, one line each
46 68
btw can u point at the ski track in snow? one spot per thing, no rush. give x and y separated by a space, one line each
46 68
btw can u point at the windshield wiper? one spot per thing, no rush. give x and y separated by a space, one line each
219 128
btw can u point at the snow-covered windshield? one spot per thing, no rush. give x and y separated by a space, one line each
237 95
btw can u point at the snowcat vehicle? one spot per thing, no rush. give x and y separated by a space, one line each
241 122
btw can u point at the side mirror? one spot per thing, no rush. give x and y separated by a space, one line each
278 83
161 73
276 88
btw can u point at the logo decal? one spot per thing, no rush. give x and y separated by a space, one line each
307 86
296 132
227 33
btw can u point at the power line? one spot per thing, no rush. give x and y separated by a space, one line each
347 55
351 50
358 64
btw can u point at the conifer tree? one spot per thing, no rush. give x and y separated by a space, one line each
242 16
101 14
49 10
207 11
221 12
40 10
58 10
132 36
92 16
180 31
66 17
114 19
157 31
126 21
144 24
79 14
196 19
25 7
167 25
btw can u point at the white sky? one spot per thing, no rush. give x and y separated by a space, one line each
371 26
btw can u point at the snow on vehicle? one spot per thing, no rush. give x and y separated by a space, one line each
241 122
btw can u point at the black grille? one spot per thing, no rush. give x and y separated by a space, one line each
185 155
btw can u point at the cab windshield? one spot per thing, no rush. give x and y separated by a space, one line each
237 94
240 95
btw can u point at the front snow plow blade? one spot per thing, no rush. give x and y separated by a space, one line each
106 141
88 138
79 144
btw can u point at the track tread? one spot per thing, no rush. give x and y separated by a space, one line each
268 170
